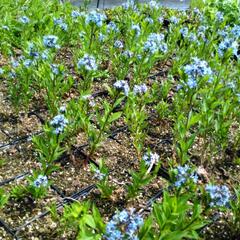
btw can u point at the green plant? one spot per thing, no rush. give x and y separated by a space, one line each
2 162
141 179
174 218
102 174
85 219
38 185
3 198
49 149
104 120
135 117
19 192
235 217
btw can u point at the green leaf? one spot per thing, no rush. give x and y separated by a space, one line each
115 116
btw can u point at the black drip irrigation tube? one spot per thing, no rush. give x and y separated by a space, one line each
6 227
28 137
18 140
66 200
5 182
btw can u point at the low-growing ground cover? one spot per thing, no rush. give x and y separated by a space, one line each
122 124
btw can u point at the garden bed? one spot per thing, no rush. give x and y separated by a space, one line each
134 110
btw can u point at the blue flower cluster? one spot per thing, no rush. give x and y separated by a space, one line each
99 175
201 32
184 31
112 27
197 69
136 29
127 54
118 44
87 62
40 181
185 173
55 69
219 16
123 225
101 37
59 122
140 89
155 43
95 17
129 4
228 44
50 41
122 85
27 63
174 20
153 4
24 19
150 158
59 22
75 14
149 20
193 38
236 31
220 195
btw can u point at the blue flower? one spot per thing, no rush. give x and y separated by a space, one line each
197 69
95 18
137 30
55 69
50 41
174 20
87 62
222 33
236 31
140 89
62 109
160 20
122 85
123 225
129 4
59 22
112 27
99 175
184 31
14 63
118 44
75 14
192 37
219 16
201 32
185 173
153 4
1 71
32 52
59 122
150 158
45 54
24 19
228 44
128 54
101 37
27 63
155 43
149 20
40 181
220 195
